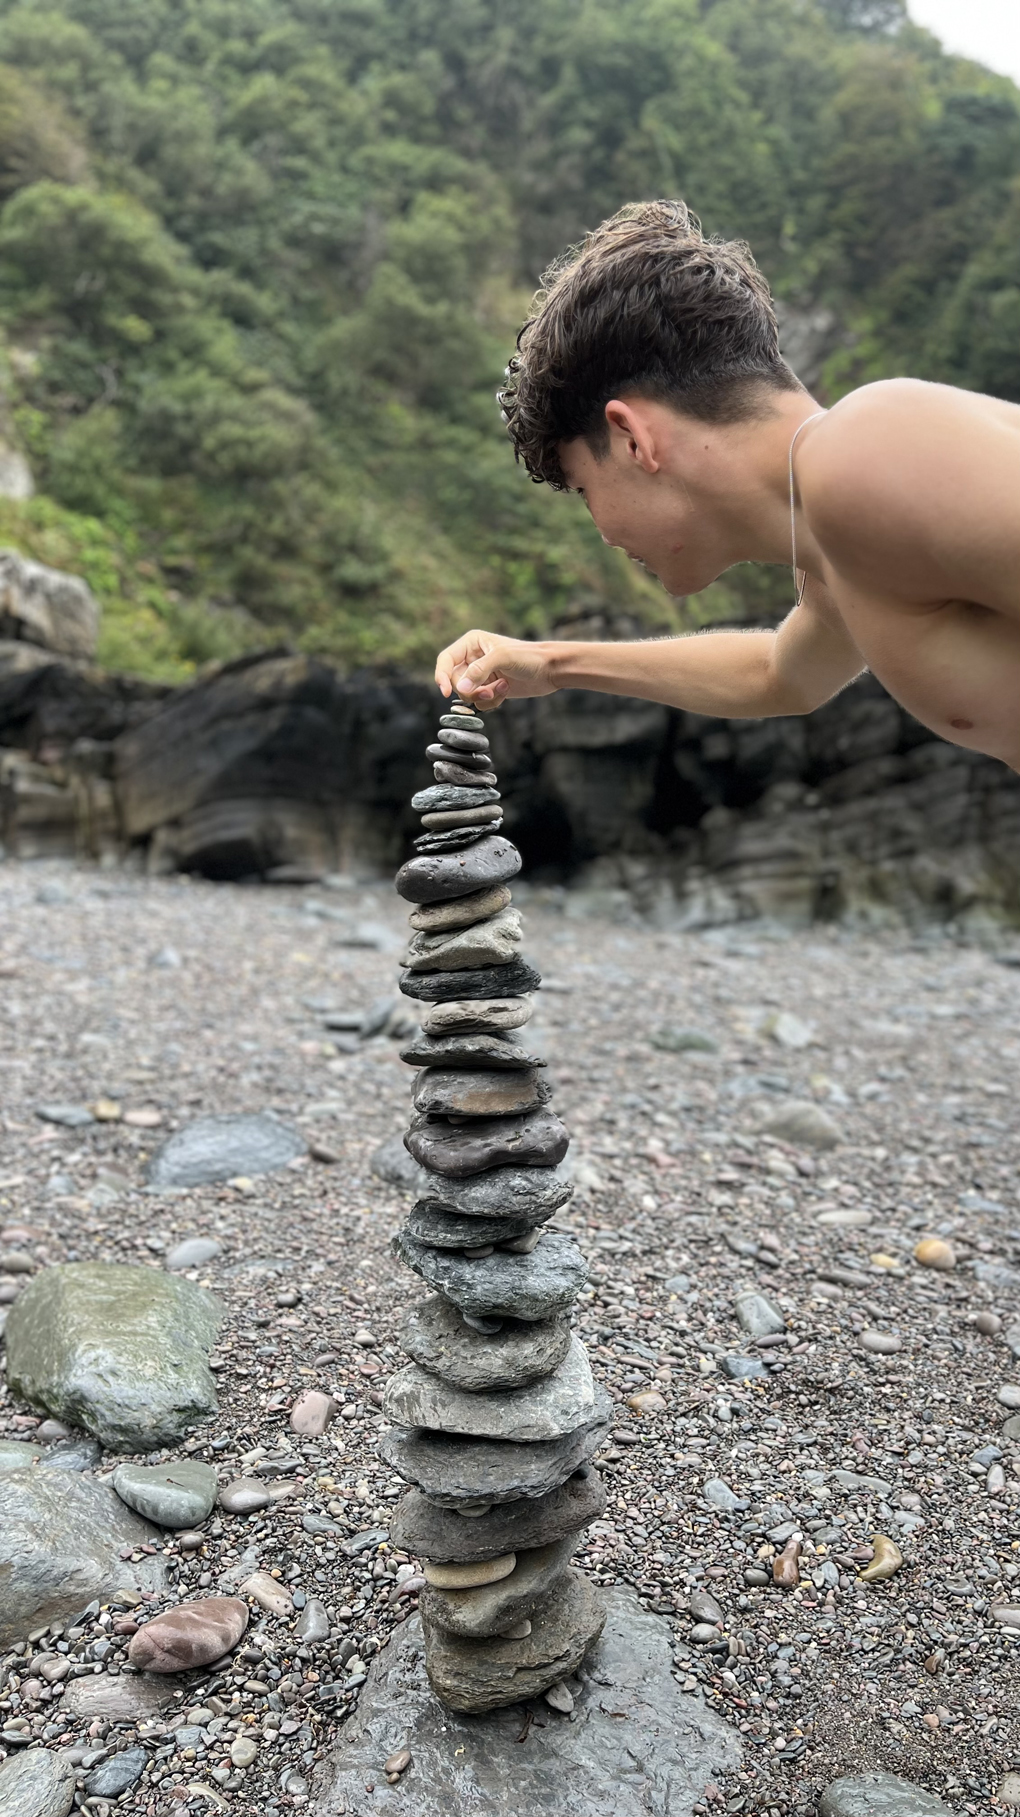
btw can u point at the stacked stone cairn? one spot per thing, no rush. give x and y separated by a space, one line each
495 1418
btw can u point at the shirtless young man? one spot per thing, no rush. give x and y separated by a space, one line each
649 379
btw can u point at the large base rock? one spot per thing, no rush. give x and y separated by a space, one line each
422 1527
61 1537
634 1745
478 1675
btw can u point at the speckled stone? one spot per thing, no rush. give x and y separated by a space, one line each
457 1470
442 877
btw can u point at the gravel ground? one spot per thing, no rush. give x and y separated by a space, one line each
180 997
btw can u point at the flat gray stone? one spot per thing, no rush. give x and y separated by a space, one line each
66 1116
537 1139
392 1163
510 979
117 1774
474 1014
39 1783
448 1230
443 796
487 1050
126 1698
447 1091
17 1454
436 1337
421 1527
803 1123
440 877
758 1316
492 1608
483 1675
634 1745
879 1795
743 1368
457 1470
118 1350
77 1453
178 1494
61 1537
224 1148
439 917
535 1286
493 941
534 1193
193 1252
564 1400
454 838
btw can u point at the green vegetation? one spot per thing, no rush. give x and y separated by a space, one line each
262 261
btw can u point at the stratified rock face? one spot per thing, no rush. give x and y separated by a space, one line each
497 1412
224 1148
45 607
120 1351
61 1538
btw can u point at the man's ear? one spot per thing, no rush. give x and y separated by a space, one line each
629 426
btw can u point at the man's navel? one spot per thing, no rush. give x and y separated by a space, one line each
962 725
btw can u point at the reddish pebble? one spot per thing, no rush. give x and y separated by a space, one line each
193 1635
785 1568
312 1413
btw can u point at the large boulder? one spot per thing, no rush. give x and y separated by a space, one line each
118 1350
61 1539
45 607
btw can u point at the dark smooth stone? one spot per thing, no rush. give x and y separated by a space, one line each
463 722
514 979
443 796
454 839
539 1285
446 1091
533 1193
449 1230
455 1470
537 1139
456 740
459 774
423 1528
481 1051
435 1336
490 859
473 760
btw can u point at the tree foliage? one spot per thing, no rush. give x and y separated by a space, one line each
262 261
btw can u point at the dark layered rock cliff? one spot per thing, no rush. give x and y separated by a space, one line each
280 766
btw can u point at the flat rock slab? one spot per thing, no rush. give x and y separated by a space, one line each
434 1335
533 1193
634 1745
61 1537
502 1013
442 876
420 1527
536 1139
489 942
557 1404
510 979
224 1148
448 1230
535 1286
453 1091
39 1783
457 1470
484 1051
118 1350
879 1795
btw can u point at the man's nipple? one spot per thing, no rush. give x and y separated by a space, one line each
962 725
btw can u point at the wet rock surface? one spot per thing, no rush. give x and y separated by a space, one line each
37 1784
548 1408
635 1744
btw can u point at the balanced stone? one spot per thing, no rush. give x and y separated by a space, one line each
450 1230
442 822
456 1470
440 879
436 1337
445 795
420 1526
439 753
462 777
467 1014
490 1609
437 917
560 1403
489 942
463 718
446 1091
535 1286
454 838
537 1139
118 1350
481 1675
469 1577
180 1494
482 1050
526 1192
453 739
509 979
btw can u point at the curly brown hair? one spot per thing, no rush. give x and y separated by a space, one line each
645 304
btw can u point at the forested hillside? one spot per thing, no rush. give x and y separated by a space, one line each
262 261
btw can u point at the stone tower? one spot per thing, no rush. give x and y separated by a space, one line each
496 1416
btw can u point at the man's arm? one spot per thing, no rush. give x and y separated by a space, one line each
731 674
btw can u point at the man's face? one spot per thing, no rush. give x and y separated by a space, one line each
655 516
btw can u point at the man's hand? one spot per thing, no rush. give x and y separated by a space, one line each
487 669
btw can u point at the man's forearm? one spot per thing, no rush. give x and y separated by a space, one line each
729 674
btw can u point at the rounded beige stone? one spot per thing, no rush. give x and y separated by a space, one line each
467 1577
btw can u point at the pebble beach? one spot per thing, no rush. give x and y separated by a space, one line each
797 1177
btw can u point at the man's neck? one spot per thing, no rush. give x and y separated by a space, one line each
744 468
